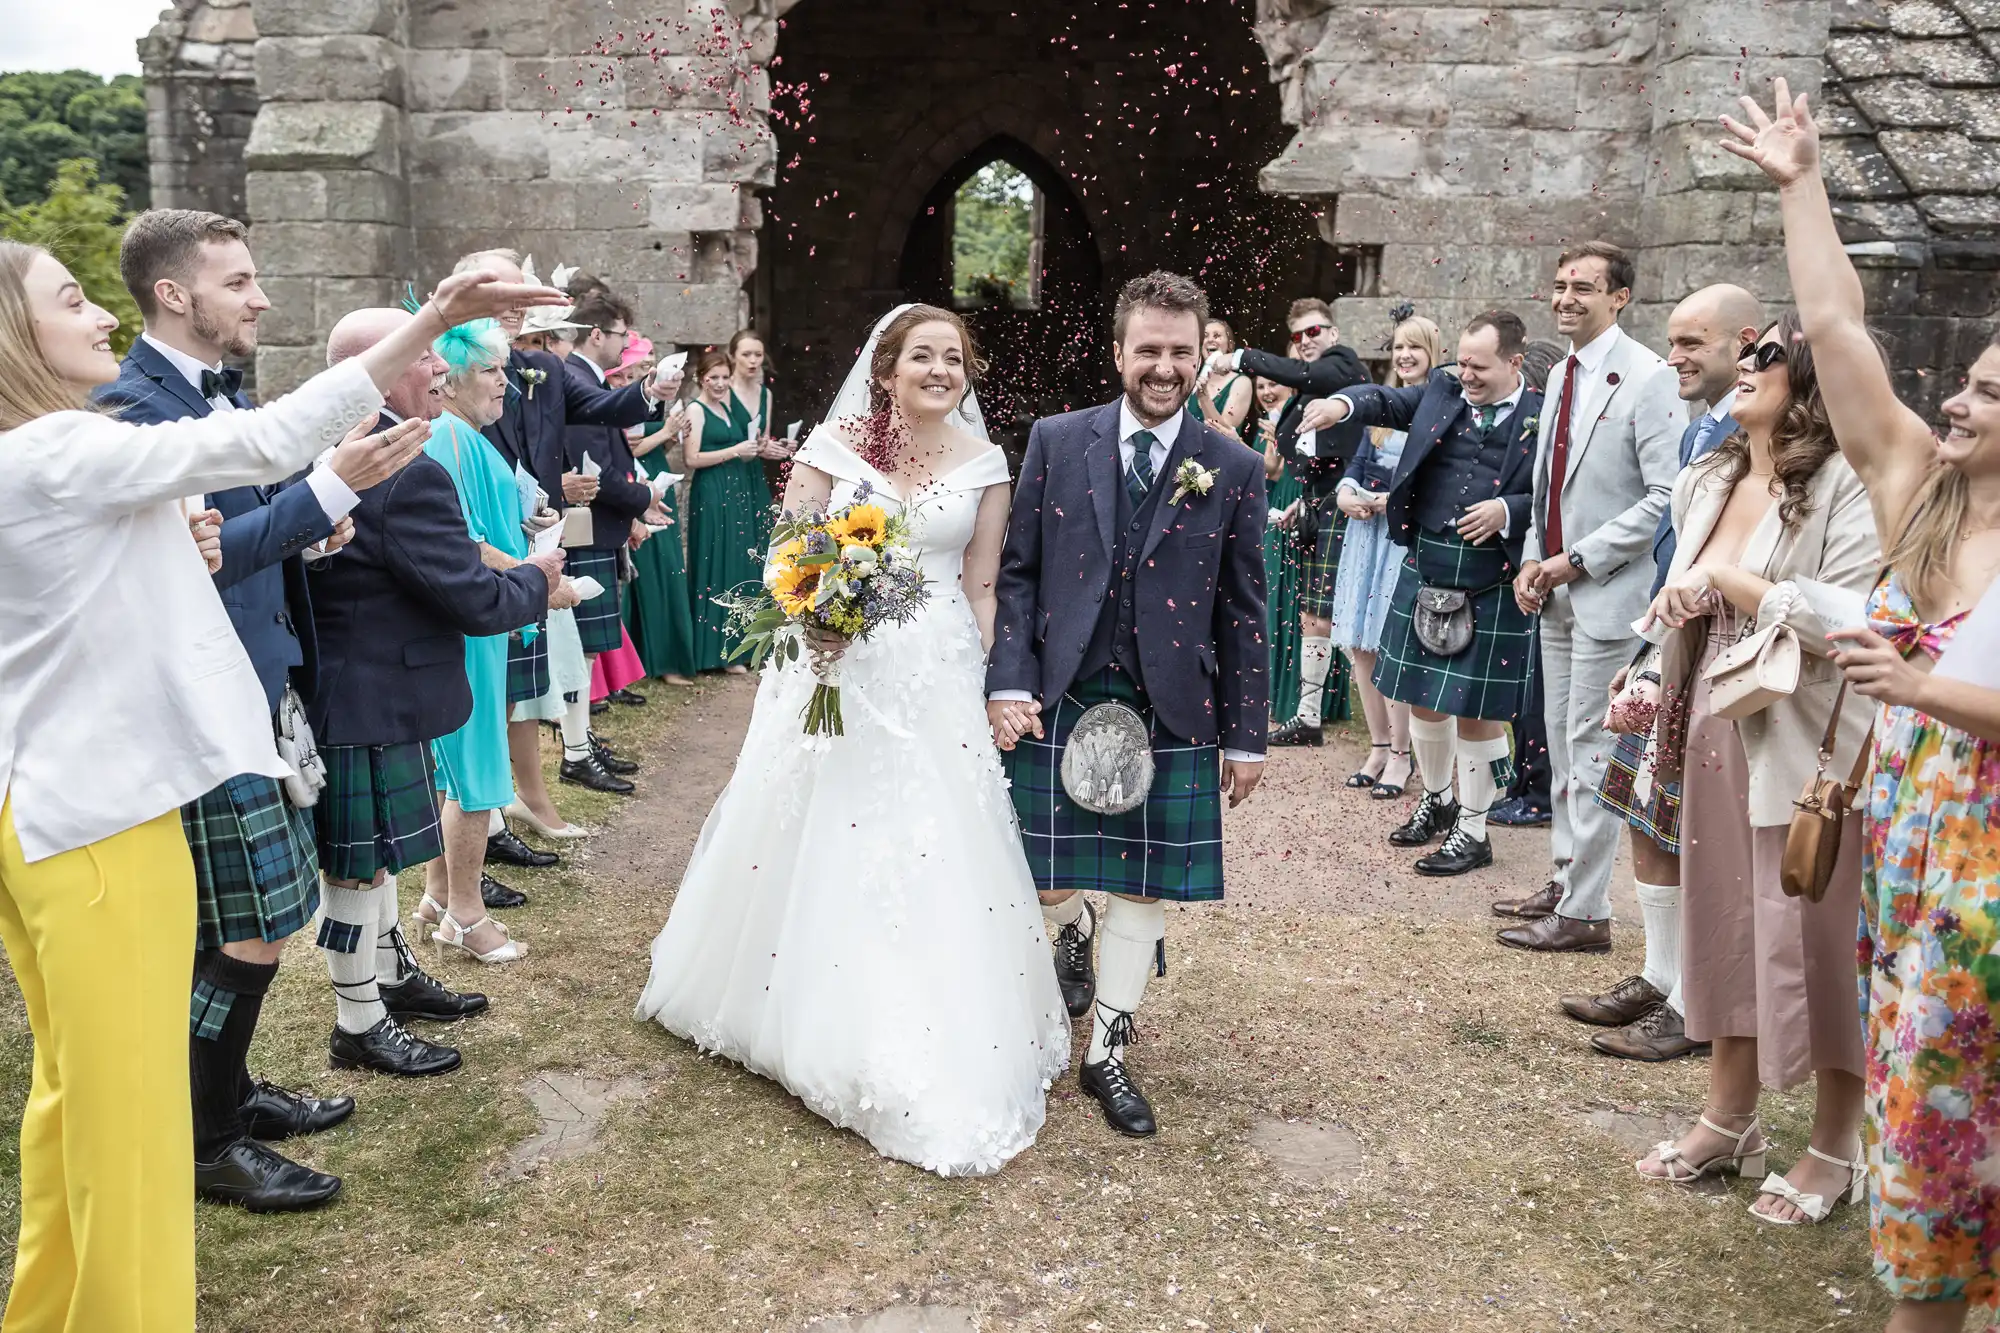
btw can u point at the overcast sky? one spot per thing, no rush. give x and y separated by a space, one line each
97 35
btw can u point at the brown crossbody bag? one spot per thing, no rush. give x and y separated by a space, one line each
1812 843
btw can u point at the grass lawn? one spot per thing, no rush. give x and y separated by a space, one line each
1494 1186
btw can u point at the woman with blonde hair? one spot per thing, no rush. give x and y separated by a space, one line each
1370 562
97 900
1223 401
1931 804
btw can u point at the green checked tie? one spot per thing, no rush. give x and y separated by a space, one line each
1487 413
1139 477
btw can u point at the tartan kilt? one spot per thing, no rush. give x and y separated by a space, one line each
527 667
1170 847
1630 791
1321 567
256 866
378 811
598 621
1489 678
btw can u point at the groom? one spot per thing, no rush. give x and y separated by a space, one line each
1133 572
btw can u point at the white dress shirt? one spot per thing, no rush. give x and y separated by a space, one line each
335 496
1164 436
110 626
1590 367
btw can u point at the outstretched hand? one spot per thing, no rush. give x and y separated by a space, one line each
1784 146
464 297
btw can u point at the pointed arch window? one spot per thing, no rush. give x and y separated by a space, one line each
996 239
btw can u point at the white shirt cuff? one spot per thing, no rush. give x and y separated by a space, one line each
1242 757
335 496
1011 696
1507 522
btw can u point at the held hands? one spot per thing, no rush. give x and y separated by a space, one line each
363 460
464 297
1784 147
1239 779
579 489
1876 669
1011 719
1528 593
206 529
1482 522
1355 504
1323 414
1689 596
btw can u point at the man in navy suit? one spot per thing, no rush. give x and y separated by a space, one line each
1459 502
1133 574
256 870
1706 335
544 401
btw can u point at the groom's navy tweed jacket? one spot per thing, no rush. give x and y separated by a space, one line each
1199 591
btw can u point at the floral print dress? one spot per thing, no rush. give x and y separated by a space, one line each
1930 990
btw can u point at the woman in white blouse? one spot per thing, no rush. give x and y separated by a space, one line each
123 694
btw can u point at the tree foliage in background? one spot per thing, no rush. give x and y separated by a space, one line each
81 223
49 119
993 232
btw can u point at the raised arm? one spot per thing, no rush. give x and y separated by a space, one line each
1887 444
979 578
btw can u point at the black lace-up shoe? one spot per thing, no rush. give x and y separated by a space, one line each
262 1180
1125 1107
608 760
272 1112
1298 731
1430 821
498 896
1074 970
506 847
587 772
388 1048
1461 852
421 995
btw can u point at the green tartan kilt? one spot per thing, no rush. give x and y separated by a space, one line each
1489 678
527 667
1321 566
1170 847
598 621
378 811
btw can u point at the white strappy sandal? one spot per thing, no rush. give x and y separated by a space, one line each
1681 1171
451 935
1817 1208
417 912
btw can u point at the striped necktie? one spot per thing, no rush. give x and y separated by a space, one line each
1139 477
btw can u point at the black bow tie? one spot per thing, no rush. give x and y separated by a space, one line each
221 384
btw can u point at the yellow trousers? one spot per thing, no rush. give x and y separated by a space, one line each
102 942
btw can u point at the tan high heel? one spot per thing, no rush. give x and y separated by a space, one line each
451 935
1680 1171
1817 1208
564 834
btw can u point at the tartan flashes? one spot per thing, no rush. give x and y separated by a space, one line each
1170 847
1490 677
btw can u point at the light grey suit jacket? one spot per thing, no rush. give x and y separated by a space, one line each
1624 453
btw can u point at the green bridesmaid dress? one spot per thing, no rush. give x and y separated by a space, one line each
657 607
1284 582
729 526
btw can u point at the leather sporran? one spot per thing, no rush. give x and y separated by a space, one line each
1107 763
1442 620
1812 842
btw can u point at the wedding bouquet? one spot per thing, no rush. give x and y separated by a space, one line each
843 572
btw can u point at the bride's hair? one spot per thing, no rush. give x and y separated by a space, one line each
889 348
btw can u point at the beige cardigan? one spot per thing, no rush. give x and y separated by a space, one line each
1821 573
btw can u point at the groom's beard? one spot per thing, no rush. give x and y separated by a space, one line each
1151 400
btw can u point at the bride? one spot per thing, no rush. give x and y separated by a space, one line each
857 922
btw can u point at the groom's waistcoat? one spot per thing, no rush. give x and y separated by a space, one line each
1116 638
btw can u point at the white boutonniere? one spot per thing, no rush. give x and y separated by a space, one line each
1191 476
531 377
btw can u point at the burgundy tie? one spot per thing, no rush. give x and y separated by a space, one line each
1552 525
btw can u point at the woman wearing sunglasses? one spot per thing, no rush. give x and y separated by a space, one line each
1775 540
1930 814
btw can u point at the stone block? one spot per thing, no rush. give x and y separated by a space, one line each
453 80
1929 160
335 297
283 369
692 314
1867 55
292 319
541 205
319 18
1697 89
686 82
1513 96
1860 220
571 86
1779 28
478 146
662 150
1856 169
707 207
303 136
1982 14
1407 35
338 68
1925 18
1905 103
1857 16
345 249
734 148
1698 217
1593 37
516 27
637 28
1598 164
286 196
1382 93
1690 157
1978 111
605 207
1508 275
221 24
1613 99
1678 270
1953 62
631 255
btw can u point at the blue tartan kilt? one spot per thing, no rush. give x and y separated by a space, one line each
256 869
527 667
1489 678
378 811
1657 813
1170 847
598 621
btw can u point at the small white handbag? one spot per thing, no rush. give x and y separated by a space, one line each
1754 672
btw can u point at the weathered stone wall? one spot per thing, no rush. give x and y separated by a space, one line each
201 97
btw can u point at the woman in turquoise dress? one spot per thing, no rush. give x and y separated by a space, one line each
658 613
729 512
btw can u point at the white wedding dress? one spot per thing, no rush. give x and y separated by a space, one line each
857 922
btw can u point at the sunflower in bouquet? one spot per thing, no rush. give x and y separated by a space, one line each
841 572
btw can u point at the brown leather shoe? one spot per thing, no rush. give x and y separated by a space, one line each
1661 1034
1627 1002
1555 933
1533 907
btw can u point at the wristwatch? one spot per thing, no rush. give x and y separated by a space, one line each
1576 563
1650 677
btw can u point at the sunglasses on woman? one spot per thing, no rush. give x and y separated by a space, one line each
1762 356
